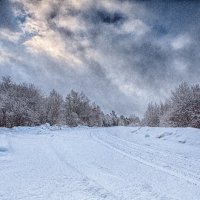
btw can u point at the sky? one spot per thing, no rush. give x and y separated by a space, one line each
122 54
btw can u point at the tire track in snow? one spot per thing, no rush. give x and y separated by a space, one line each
144 162
175 155
155 154
93 186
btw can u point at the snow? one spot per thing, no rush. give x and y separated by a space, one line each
118 163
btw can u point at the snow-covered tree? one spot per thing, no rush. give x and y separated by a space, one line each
96 116
185 106
114 118
77 109
20 104
195 106
151 117
107 120
54 108
182 109
134 120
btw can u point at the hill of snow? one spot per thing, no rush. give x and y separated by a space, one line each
118 163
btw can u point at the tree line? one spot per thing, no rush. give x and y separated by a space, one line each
25 105
181 109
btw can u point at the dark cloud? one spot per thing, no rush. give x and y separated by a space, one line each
7 19
109 17
176 15
159 30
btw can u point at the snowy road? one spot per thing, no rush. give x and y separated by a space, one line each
100 163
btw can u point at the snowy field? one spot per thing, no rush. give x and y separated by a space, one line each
119 163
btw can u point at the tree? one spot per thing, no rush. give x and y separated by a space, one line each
54 108
77 109
151 117
114 118
195 106
134 120
96 116
180 101
20 104
107 120
182 109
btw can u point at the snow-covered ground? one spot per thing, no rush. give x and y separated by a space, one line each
126 163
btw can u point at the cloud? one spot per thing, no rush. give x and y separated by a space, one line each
51 44
9 35
122 54
135 26
181 41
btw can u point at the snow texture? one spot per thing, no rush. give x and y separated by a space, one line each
118 163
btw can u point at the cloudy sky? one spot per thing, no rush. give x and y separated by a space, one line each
121 53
